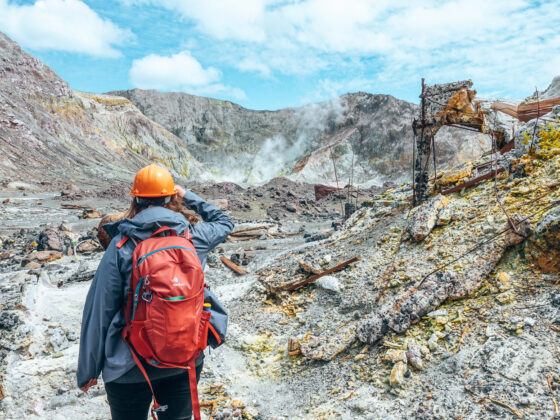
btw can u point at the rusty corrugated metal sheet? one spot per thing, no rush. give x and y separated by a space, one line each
526 112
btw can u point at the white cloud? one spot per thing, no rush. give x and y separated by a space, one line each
64 25
222 19
179 72
364 27
499 43
254 64
175 72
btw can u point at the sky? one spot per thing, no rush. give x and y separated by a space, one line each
271 54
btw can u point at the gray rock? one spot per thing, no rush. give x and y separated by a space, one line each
329 283
9 320
58 339
403 311
424 219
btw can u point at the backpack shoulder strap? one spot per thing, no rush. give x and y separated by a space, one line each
124 240
193 384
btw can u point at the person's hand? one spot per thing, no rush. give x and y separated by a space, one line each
92 381
180 191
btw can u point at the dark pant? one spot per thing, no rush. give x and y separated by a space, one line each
132 401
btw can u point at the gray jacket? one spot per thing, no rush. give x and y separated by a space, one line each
101 346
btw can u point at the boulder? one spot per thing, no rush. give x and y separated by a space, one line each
330 283
40 257
425 217
53 239
58 339
88 246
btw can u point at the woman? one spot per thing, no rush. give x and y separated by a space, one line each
157 202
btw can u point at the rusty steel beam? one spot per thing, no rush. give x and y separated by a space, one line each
324 273
473 181
231 265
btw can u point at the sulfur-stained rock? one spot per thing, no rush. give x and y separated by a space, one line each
394 356
330 343
453 176
504 282
250 413
425 217
544 245
506 297
488 257
397 374
445 216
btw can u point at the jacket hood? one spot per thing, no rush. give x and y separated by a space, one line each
147 222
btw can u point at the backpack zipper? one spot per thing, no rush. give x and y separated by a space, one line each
142 259
175 298
136 297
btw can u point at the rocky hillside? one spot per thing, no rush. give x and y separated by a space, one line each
50 133
247 146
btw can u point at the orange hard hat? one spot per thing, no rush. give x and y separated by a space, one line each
153 181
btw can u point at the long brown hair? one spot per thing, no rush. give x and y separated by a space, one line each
176 204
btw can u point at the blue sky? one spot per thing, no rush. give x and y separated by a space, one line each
270 54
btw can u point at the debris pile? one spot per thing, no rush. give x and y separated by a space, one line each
420 277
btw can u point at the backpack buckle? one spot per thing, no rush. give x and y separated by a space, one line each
147 296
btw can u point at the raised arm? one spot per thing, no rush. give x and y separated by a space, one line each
214 230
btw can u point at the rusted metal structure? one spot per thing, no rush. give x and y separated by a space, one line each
445 104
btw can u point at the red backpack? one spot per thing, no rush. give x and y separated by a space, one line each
165 320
